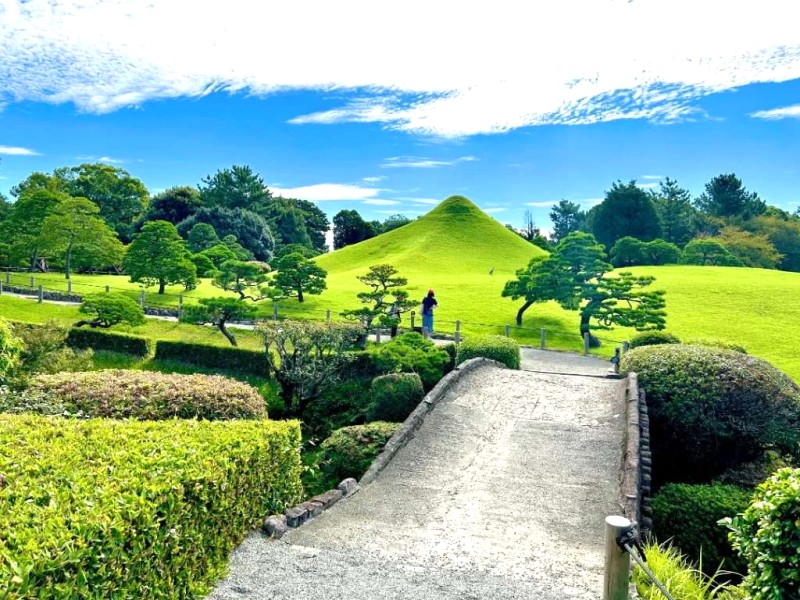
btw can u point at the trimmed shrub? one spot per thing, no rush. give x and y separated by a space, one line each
653 338
97 339
29 401
717 344
111 309
394 397
767 536
496 347
10 350
44 350
755 472
120 394
411 353
689 515
349 451
713 409
126 509
452 353
344 403
214 357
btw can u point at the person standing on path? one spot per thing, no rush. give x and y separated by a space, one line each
428 303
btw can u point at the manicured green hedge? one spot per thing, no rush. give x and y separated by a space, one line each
688 515
768 537
496 347
653 338
411 353
121 394
127 509
114 341
394 397
712 409
349 452
214 357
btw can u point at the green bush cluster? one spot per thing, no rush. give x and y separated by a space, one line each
768 537
725 345
10 350
713 409
342 404
689 515
127 509
121 394
349 451
653 338
411 353
214 357
114 341
496 347
452 352
394 397
44 350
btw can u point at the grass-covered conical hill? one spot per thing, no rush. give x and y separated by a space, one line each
465 255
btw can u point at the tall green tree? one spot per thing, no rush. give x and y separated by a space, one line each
245 278
249 229
752 249
174 205
784 235
675 211
575 276
708 251
349 228
567 218
394 222
120 196
75 226
725 196
628 251
23 227
237 187
627 210
219 312
38 181
661 252
158 255
317 224
297 276
202 237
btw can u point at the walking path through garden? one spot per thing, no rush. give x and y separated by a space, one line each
502 493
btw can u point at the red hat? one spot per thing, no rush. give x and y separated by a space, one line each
430 292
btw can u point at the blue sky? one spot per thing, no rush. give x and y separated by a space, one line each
389 109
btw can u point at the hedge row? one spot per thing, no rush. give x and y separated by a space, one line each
114 341
214 357
121 394
84 516
496 347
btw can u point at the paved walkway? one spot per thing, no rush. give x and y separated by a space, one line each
502 493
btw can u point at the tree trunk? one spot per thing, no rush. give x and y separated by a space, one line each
299 294
521 310
34 260
161 285
226 333
68 260
287 392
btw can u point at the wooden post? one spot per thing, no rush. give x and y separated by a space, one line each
32 282
1 288
413 314
141 299
625 347
41 294
458 332
180 305
274 311
586 342
8 277
108 289
378 334
508 330
69 286
542 337
328 316
616 582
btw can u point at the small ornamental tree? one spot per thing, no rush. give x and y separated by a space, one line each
705 251
219 254
627 252
201 237
660 252
386 301
297 276
243 278
218 312
159 255
306 357
110 309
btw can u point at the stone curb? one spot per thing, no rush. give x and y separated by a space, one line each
406 431
629 485
275 526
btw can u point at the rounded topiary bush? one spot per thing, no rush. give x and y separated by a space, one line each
121 394
688 515
349 451
717 344
394 397
496 347
411 353
713 409
653 338
767 536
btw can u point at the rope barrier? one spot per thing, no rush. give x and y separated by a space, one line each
630 542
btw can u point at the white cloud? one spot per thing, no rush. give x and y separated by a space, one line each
542 204
374 179
647 186
110 161
17 151
381 202
419 162
327 191
430 201
576 62
653 177
494 209
787 112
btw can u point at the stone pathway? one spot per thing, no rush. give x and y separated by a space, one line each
502 493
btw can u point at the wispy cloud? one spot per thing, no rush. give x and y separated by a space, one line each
652 177
430 201
494 209
786 112
17 150
542 204
381 202
648 185
111 161
584 69
374 179
419 162
322 192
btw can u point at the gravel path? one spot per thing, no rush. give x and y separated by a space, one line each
502 493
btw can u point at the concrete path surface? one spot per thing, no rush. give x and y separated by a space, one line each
502 493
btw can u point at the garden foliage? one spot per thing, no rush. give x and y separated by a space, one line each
411 353
350 450
213 357
113 341
120 394
496 347
653 338
394 397
83 515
